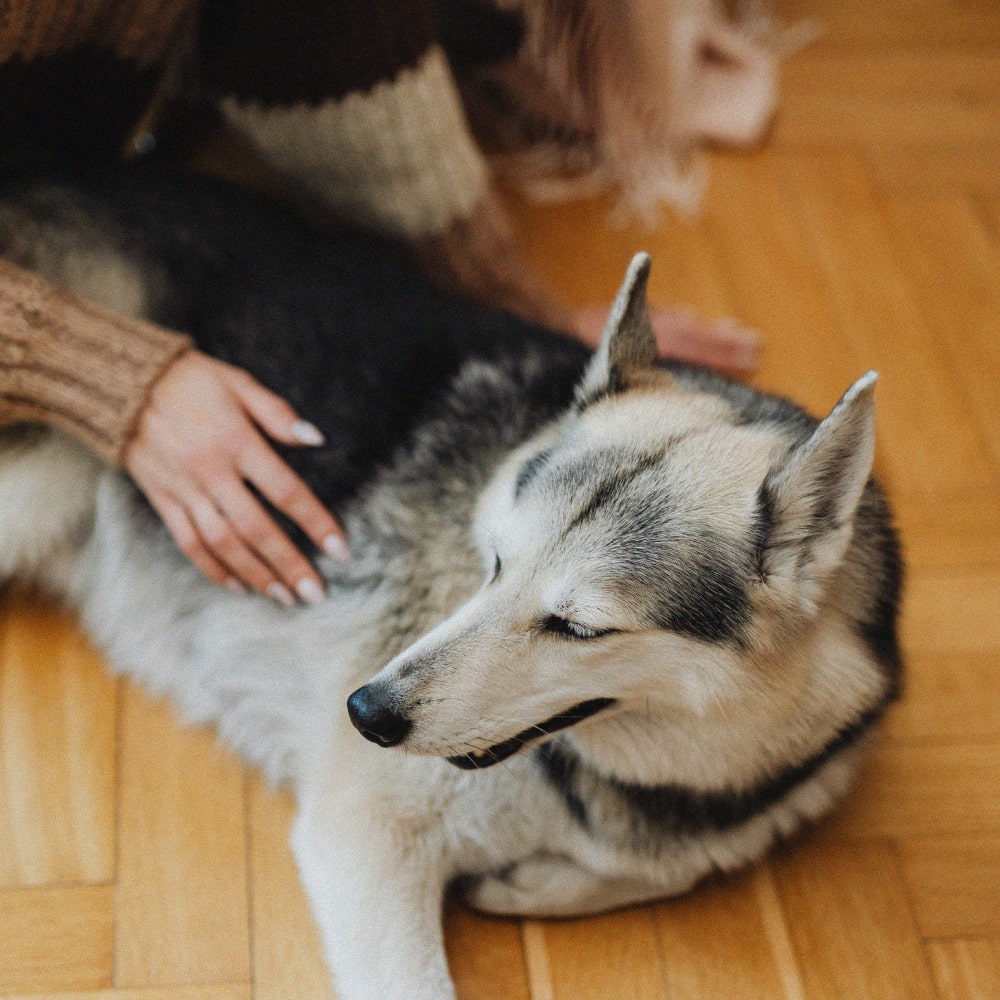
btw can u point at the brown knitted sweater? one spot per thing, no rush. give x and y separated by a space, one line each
353 100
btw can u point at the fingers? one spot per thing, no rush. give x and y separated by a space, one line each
185 534
271 413
723 344
197 446
279 484
260 466
245 538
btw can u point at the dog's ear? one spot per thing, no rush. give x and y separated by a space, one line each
807 506
628 346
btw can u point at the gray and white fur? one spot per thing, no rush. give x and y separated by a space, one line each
666 613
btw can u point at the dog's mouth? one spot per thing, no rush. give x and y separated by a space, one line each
478 759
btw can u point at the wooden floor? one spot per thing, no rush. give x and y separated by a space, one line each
139 861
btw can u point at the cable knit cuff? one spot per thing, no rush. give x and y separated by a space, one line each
398 159
74 365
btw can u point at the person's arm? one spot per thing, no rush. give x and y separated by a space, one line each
189 429
74 365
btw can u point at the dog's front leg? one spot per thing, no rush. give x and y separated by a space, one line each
375 887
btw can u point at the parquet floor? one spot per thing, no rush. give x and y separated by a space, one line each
137 860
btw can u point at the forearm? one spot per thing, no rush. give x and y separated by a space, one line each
72 364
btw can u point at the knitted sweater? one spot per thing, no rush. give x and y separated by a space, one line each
353 100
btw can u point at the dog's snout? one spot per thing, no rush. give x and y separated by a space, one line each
375 719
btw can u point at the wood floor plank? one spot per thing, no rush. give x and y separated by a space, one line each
55 939
966 970
536 960
969 168
609 956
889 96
181 895
684 269
222 991
485 956
952 612
592 273
958 74
954 884
989 205
906 791
287 957
856 24
850 924
716 942
57 751
960 534
927 444
947 697
955 272
777 286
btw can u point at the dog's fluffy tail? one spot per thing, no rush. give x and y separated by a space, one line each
47 490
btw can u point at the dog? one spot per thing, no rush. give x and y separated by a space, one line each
610 626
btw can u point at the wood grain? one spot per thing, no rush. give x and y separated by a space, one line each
180 824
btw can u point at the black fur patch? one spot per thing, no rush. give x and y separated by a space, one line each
560 769
711 604
656 812
879 628
611 488
530 470
762 526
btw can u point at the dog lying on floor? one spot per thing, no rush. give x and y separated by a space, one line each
623 625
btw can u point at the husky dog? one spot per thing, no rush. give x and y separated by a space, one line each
664 604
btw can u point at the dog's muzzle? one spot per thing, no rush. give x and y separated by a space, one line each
478 759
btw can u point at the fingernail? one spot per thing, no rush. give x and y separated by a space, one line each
335 546
309 590
234 586
307 433
280 594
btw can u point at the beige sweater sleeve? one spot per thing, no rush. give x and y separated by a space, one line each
72 364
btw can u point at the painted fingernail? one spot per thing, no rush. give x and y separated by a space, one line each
307 433
234 586
280 594
335 546
309 590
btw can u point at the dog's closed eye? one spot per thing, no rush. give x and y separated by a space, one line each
554 625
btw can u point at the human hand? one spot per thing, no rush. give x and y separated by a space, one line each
682 335
197 445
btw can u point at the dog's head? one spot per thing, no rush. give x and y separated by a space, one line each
652 559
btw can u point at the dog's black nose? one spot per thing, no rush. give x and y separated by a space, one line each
375 720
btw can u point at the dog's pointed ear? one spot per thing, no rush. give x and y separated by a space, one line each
628 345
806 508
